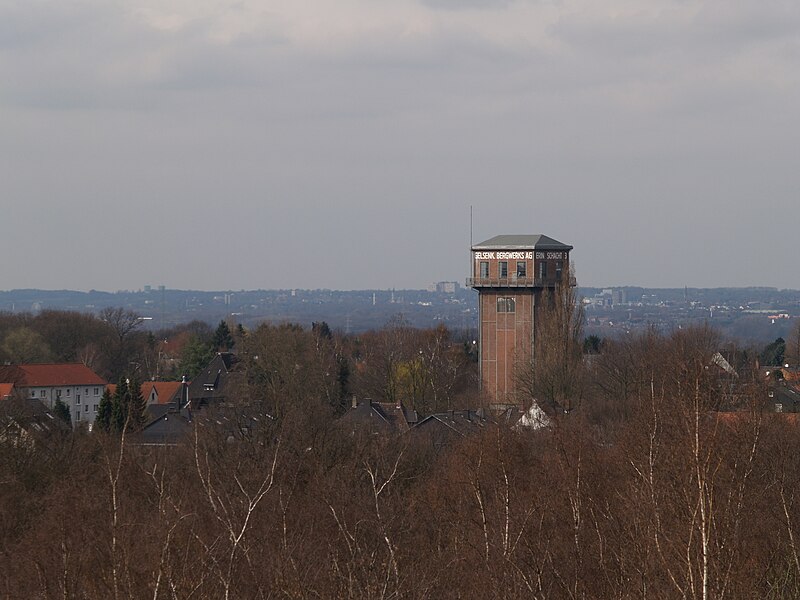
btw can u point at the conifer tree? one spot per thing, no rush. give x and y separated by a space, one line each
137 406
61 410
103 419
119 406
222 337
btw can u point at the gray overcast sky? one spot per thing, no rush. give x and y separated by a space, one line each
214 145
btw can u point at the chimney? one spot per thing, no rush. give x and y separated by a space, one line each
354 403
183 395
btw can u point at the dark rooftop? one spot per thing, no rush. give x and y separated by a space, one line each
521 242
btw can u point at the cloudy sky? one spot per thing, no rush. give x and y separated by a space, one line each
340 144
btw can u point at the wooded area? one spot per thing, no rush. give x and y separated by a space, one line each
644 489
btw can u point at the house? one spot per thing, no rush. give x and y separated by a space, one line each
23 420
75 384
167 426
170 426
441 429
161 397
217 382
378 417
162 392
783 397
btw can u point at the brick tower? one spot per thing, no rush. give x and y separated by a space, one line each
510 273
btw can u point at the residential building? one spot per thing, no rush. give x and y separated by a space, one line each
378 417
217 382
75 384
161 392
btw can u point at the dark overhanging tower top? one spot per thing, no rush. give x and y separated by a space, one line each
521 242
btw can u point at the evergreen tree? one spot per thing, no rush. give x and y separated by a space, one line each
119 406
103 419
195 357
343 380
322 329
137 406
61 410
772 355
222 337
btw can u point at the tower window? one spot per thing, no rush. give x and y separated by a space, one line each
521 269
484 269
559 269
542 270
503 268
506 305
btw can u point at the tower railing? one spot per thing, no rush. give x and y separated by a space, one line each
516 282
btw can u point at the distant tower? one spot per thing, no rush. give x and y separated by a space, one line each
510 273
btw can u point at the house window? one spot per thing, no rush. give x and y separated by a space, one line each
484 269
77 398
96 391
778 407
58 393
33 393
68 391
559 269
42 394
95 407
86 391
503 267
542 270
85 408
521 268
506 305
77 416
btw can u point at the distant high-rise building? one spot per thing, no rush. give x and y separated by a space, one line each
510 273
445 287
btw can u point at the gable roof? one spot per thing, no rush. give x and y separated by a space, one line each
384 416
50 375
521 242
25 416
167 428
212 383
461 422
165 390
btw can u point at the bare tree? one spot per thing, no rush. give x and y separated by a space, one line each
553 374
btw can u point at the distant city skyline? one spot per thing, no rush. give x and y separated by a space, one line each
208 145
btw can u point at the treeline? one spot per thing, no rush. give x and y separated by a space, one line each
428 369
113 343
643 490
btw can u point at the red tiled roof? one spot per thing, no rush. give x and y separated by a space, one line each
6 389
165 390
48 375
